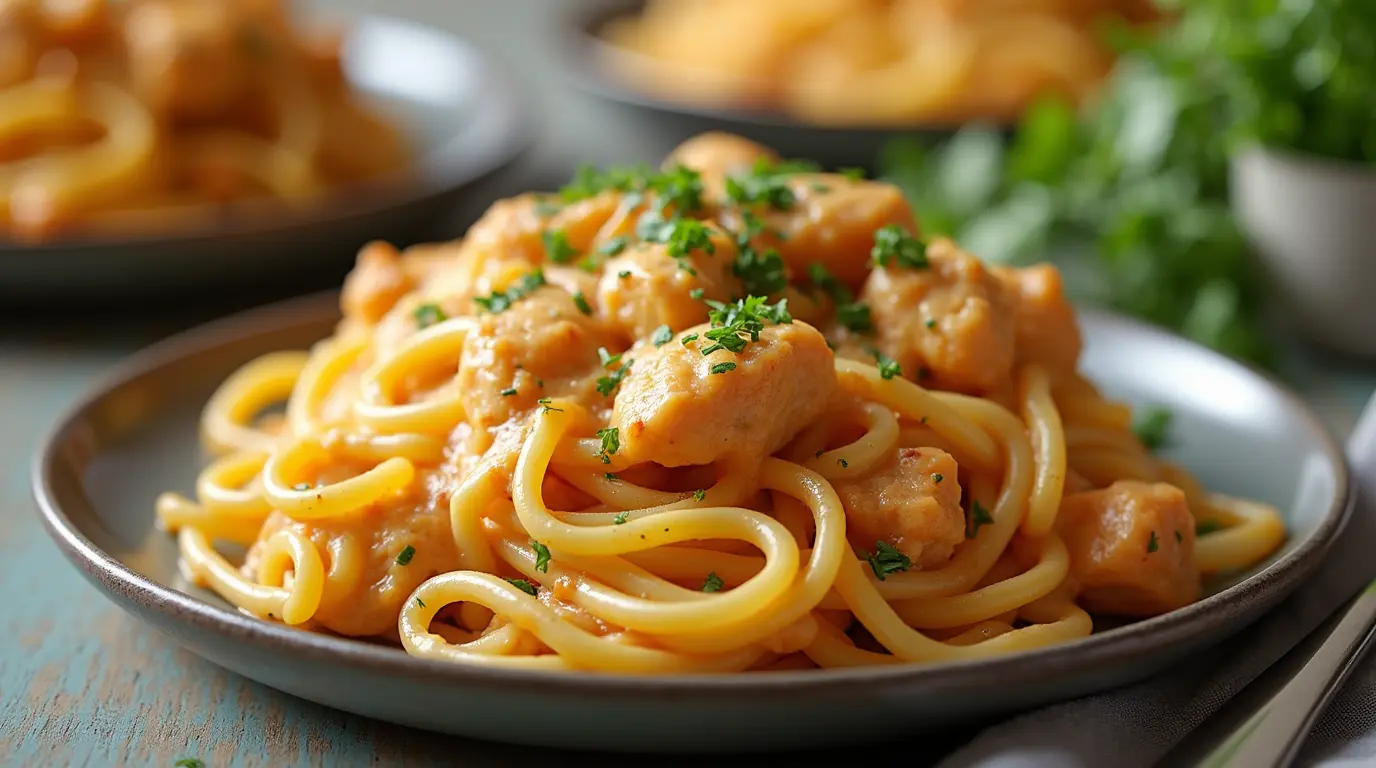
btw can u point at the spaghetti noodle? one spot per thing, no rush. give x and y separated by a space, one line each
145 113
731 415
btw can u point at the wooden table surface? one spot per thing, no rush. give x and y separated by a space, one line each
81 683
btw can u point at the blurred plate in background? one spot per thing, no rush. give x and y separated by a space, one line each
462 115
592 64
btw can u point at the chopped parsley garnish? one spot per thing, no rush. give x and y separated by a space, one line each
557 246
937 477
893 244
766 183
696 293
679 235
623 274
1152 543
541 556
699 494
545 406
761 273
524 586
850 313
738 324
679 187
588 181
500 302
1206 527
189 762
713 583
620 518
606 358
420 602
610 476
854 174
979 516
611 443
508 392
581 302
615 246
406 554
843 463
662 335
726 367
689 338
589 264
1152 427
930 323
888 367
607 384
301 487
886 560
427 315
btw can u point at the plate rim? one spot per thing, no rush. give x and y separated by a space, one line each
502 122
1114 646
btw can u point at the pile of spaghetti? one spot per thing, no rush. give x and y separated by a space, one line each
139 114
733 414
870 62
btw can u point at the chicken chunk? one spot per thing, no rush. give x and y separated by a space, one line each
1043 321
543 345
522 227
831 221
369 605
1131 548
715 155
645 287
195 60
375 284
950 322
911 503
672 409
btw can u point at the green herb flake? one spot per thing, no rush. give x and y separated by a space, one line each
726 367
427 315
888 368
610 477
893 244
689 338
886 560
581 302
541 556
713 583
620 518
699 494
557 247
614 246
979 516
662 335
189 762
546 407
524 586
1205 527
406 554
508 392
1152 543
500 302
611 443
937 477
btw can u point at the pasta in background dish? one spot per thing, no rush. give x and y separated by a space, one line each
132 114
731 415
869 62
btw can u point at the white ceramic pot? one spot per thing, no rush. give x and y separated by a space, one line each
1312 221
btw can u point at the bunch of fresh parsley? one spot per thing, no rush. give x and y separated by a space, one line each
1130 195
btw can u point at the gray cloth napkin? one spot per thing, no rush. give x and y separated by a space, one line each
1137 725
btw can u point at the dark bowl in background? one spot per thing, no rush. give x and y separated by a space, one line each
670 122
462 115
